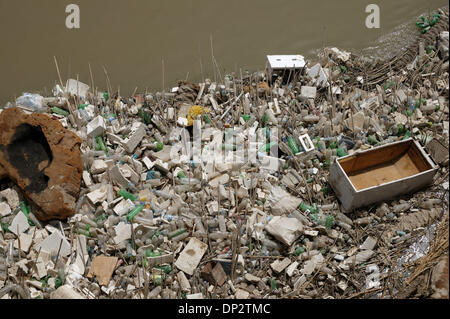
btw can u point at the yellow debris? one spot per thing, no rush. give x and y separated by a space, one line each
195 111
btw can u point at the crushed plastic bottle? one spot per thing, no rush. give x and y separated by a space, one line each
134 212
60 111
323 220
292 145
127 195
304 207
33 101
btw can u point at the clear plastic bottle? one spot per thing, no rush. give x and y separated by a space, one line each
187 181
303 219
84 115
270 244
218 235
162 194
34 102
10 257
401 207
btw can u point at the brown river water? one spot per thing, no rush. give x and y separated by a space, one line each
132 38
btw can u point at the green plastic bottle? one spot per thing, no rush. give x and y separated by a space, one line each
145 116
155 254
127 195
273 283
176 233
322 219
372 140
298 251
100 220
165 268
266 132
5 227
266 148
292 145
246 117
333 145
100 145
329 221
159 146
25 208
407 135
150 253
106 96
206 119
312 209
228 147
341 152
59 111
264 119
134 212
58 282
83 232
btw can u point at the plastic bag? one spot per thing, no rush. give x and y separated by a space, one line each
32 101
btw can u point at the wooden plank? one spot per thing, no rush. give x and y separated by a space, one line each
191 255
103 267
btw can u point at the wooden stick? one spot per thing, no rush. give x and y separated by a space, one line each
234 254
353 123
57 256
163 80
146 284
82 253
108 82
37 256
65 93
77 100
201 64
92 78
18 239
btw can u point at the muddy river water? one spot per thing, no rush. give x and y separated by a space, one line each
132 38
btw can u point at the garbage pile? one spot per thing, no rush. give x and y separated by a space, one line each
218 189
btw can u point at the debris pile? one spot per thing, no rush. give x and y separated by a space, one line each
220 189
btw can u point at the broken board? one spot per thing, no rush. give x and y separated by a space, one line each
191 255
103 267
